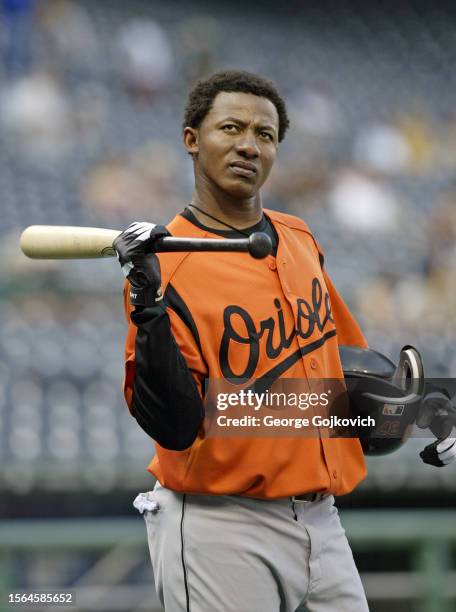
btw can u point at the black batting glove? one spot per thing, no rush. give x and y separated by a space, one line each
440 452
140 265
437 413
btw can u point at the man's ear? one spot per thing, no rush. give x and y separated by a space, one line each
190 138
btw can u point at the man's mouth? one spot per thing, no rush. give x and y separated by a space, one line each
244 168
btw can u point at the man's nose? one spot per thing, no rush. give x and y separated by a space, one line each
247 146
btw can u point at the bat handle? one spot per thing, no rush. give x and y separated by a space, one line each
259 245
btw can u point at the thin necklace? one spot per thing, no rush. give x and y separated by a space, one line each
218 220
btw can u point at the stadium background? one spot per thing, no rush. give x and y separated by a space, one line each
91 100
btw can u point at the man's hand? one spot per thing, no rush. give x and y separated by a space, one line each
139 263
437 414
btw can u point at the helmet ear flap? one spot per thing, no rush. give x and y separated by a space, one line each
391 395
409 373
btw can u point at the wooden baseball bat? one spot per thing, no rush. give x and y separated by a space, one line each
72 242
67 242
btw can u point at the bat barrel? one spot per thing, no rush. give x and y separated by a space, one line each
67 242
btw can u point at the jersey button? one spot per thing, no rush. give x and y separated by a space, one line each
313 363
272 265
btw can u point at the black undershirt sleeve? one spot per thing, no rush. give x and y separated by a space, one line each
166 402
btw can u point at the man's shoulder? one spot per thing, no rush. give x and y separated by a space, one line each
295 223
287 220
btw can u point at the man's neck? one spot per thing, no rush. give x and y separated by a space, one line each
238 213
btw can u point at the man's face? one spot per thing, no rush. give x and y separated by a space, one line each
236 143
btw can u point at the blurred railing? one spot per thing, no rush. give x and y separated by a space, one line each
428 537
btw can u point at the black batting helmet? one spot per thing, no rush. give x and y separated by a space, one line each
390 394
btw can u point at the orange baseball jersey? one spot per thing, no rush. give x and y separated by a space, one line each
235 316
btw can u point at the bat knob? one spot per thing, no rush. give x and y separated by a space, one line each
260 245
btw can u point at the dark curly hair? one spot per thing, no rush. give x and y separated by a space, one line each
201 97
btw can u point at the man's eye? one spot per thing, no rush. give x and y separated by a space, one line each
230 127
267 135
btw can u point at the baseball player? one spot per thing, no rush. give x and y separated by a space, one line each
237 523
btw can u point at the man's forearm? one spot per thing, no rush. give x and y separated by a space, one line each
166 402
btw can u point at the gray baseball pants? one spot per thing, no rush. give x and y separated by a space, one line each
236 554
